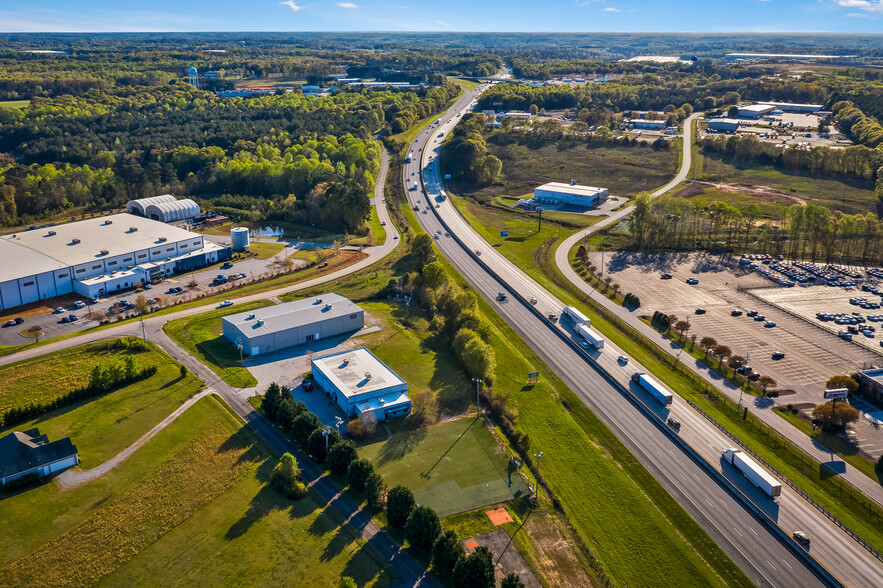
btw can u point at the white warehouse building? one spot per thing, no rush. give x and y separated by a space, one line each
572 193
97 256
165 208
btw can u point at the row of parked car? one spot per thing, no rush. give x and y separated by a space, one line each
755 315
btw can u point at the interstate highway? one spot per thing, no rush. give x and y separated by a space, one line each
754 548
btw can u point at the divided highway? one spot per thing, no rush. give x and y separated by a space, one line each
748 536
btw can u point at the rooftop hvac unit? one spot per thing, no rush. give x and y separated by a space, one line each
75 241
573 182
367 375
346 362
50 234
382 401
162 240
133 229
260 323
328 306
318 301
105 252
108 222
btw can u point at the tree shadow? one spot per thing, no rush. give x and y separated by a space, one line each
263 503
399 445
428 472
362 559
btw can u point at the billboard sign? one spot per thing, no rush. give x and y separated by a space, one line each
533 375
838 394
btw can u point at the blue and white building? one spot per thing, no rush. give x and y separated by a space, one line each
359 383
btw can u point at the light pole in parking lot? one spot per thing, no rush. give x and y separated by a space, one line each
239 347
325 432
337 422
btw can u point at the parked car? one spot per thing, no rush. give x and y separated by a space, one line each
751 313
769 324
80 304
759 318
10 323
227 265
72 317
148 286
665 277
59 309
692 281
778 355
533 300
19 320
225 304
64 319
700 311
307 385
735 312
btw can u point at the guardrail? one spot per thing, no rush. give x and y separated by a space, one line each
870 549
817 568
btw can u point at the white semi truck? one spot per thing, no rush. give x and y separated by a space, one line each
593 338
752 470
655 389
576 316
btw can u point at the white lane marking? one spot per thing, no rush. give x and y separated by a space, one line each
683 476
708 502
752 530
772 566
724 504
737 532
787 564
695 476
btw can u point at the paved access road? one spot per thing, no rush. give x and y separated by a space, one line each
764 556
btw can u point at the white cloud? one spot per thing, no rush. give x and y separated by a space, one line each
609 9
875 6
291 5
346 5
442 23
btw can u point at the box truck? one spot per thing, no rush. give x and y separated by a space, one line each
655 389
752 470
408 159
593 338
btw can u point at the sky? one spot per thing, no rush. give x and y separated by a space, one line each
847 16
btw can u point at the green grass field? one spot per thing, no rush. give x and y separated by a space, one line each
770 208
14 103
531 161
377 235
201 335
453 466
191 505
849 195
44 378
467 85
103 426
264 250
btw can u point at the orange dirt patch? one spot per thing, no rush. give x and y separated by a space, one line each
471 544
765 192
499 516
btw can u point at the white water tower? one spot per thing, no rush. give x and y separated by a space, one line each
239 238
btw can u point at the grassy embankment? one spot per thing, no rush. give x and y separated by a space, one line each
201 335
14 103
192 504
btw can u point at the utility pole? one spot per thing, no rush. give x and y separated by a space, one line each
143 330
478 382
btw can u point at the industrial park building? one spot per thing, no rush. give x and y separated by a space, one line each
723 124
789 107
165 208
97 256
755 110
653 125
360 384
560 193
278 327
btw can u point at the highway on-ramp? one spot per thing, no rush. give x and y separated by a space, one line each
746 531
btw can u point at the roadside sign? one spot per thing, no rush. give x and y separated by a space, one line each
533 375
504 233
838 394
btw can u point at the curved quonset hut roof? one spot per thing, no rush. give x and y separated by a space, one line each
139 206
174 210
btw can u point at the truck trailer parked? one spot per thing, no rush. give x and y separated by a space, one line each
593 338
752 470
576 316
656 390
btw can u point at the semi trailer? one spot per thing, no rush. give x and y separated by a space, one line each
593 338
752 470
655 389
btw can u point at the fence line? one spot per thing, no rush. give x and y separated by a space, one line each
790 484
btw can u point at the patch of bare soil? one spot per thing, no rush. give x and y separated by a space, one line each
764 192
554 556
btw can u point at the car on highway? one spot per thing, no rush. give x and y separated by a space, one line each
80 304
673 423
225 304
623 359
800 537
769 324
692 281
778 355
478 252
700 311
735 312
502 296
307 385
665 277
533 300
759 318
395 237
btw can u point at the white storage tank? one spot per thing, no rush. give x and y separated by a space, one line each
239 238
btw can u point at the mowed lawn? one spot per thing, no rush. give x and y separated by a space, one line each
189 507
453 466
47 377
103 426
201 335
263 250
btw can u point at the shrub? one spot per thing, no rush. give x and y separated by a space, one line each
340 456
355 428
375 490
285 477
447 551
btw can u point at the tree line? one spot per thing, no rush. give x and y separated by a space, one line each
465 155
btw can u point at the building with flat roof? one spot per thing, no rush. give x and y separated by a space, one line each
755 110
640 123
572 193
727 125
92 257
278 327
872 381
790 107
788 56
360 384
29 452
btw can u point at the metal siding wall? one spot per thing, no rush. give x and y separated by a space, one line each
63 285
9 294
46 285
28 293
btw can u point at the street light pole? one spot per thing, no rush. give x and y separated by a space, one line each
478 382
325 432
239 347
337 422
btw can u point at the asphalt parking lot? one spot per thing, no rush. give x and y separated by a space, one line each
812 354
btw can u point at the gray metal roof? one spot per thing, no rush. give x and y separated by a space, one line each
356 372
288 315
20 261
20 452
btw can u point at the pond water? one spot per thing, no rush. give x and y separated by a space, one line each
267 232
